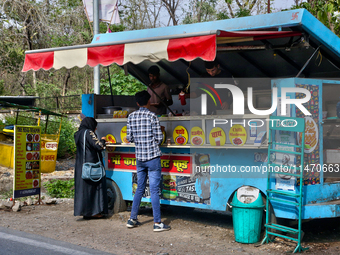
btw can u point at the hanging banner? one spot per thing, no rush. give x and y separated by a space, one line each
180 164
27 154
108 11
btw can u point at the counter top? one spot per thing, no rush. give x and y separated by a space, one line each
229 146
198 117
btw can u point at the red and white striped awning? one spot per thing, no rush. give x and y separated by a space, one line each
186 46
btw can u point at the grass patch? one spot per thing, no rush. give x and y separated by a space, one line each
6 194
60 188
9 194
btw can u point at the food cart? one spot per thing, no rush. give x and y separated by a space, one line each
217 154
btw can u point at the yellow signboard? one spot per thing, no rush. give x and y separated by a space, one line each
49 151
27 161
237 135
123 135
180 135
197 136
112 140
164 137
217 137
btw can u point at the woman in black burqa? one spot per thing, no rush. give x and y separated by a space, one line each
90 198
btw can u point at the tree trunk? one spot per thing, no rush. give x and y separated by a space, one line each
22 82
35 83
171 6
331 25
231 11
68 75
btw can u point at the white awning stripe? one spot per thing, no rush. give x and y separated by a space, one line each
70 58
153 51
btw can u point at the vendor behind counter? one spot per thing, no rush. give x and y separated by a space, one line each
217 99
161 89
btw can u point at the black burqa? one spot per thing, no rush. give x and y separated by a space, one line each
90 197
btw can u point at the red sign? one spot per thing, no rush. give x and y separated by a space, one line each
174 164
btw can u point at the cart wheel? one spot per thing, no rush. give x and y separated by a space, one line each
115 199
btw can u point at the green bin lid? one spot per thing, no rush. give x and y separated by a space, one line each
258 203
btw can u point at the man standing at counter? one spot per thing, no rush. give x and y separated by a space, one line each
213 71
144 130
161 89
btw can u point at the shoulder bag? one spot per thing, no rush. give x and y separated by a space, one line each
92 171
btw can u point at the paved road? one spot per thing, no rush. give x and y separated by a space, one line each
13 242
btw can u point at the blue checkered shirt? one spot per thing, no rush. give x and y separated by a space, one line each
144 130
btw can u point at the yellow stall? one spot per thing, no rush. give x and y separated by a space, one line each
50 133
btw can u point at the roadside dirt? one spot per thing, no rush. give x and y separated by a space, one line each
193 231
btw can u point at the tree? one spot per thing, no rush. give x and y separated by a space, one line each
171 6
200 11
140 14
242 8
324 10
121 84
36 24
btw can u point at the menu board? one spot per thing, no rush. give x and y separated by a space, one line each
27 164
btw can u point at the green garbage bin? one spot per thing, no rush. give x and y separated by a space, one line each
247 212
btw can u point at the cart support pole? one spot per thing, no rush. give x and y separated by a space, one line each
108 72
96 70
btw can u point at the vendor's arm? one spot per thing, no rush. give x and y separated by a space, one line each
156 130
225 106
168 96
227 100
94 141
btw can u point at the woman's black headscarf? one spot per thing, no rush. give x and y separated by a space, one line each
88 123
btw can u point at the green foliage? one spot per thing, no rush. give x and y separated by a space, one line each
36 24
2 87
60 188
121 84
44 89
66 142
200 11
66 145
7 194
222 15
324 10
24 118
243 12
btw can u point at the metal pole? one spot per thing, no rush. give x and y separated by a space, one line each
96 71
108 72
268 6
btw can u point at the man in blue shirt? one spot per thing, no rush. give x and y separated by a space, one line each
144 130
